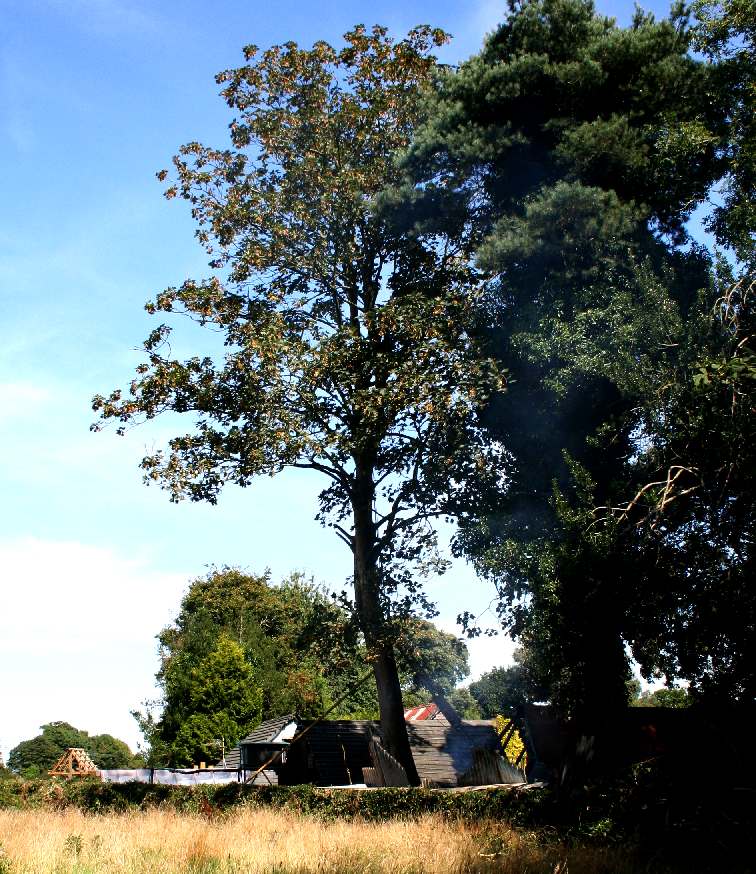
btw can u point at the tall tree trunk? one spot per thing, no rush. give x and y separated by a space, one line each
372 623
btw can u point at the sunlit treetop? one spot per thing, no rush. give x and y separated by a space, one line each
349 347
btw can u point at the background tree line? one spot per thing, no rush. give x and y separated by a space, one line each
34 757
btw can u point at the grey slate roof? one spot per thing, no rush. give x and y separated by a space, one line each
264 733
442 753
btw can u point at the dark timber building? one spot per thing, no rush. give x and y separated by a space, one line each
343 752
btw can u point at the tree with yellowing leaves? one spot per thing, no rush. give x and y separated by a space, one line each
349 344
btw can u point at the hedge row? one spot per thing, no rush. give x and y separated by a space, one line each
516 806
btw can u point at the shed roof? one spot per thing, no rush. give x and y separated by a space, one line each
442 753
264 733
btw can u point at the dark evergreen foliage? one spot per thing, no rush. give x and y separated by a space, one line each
567 157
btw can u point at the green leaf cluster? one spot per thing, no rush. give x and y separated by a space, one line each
217 701
665 697
689 516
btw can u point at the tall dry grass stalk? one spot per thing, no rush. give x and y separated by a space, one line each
253 842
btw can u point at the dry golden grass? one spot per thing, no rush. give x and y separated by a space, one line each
163 842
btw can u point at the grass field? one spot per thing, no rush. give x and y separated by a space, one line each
164 842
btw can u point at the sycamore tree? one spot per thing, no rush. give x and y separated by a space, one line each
348 344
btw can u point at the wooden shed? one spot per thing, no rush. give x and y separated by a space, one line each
337 752
268 734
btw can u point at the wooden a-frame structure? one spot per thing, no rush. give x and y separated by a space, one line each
74 762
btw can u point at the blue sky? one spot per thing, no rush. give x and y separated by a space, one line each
95 97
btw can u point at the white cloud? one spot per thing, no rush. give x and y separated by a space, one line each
77 636
21 399
485 652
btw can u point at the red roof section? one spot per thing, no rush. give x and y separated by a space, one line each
423 711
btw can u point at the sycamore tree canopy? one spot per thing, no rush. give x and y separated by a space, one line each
346 343
349 345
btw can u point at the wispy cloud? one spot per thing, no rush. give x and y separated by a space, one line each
102 595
